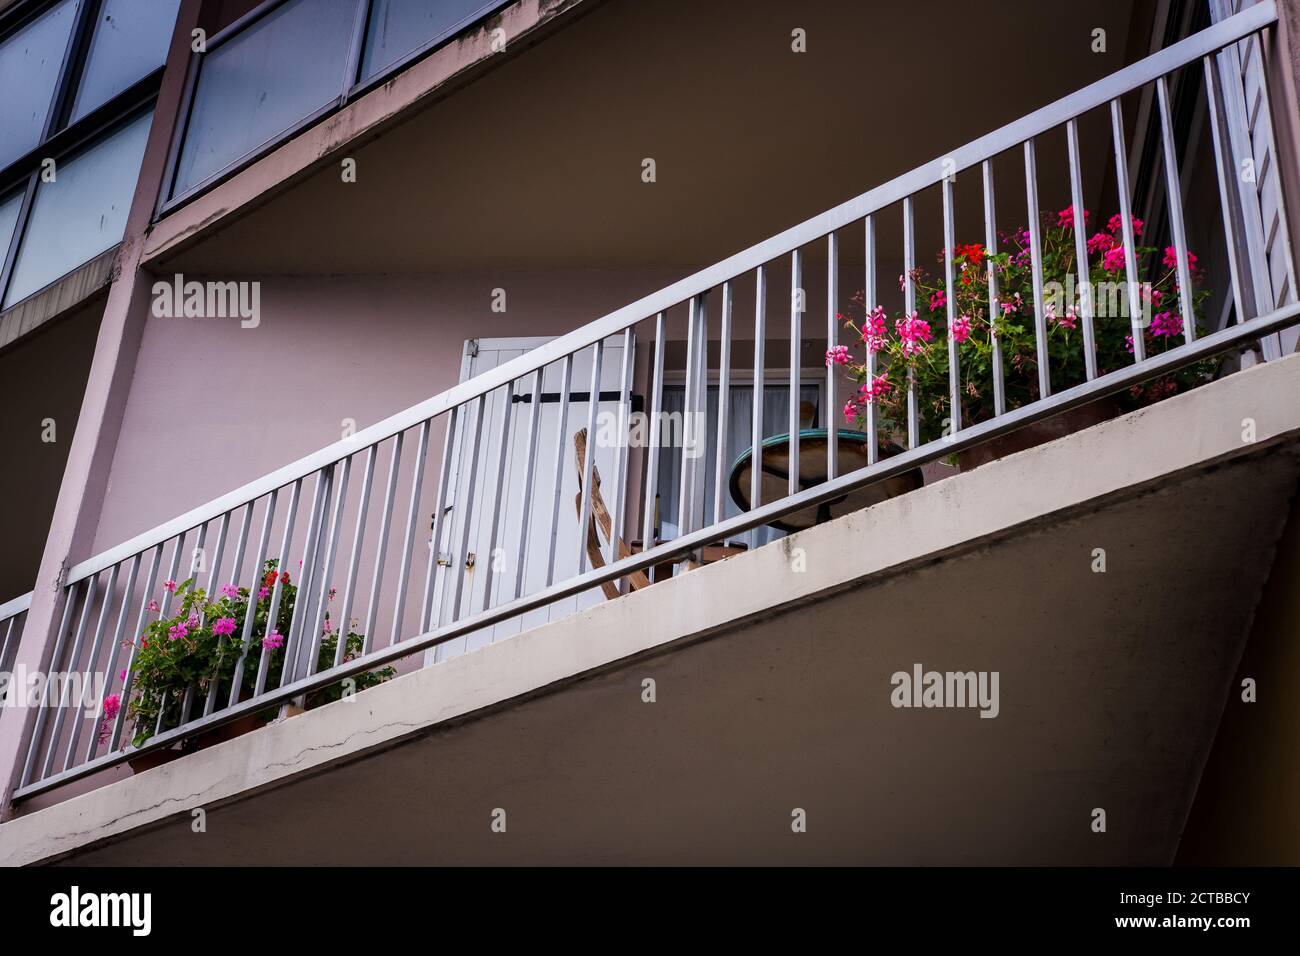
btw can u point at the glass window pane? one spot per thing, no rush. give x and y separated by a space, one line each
29 70
256 85
9 208
398 27
83 212
130 41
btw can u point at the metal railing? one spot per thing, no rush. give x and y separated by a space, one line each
353 515
13 614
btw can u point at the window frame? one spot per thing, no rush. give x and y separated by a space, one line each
59 137
351 88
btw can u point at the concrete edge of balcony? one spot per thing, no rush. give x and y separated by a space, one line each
1119 459
421 84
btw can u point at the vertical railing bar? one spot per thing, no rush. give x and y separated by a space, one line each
459 564
684 483
277 593
197 559
241 544
561 440
308 579
218 555
1081 250
530 477
1126 218
1227 191
909 309
699 414
43 708
990 250
724 406
621 449
439 507
1174 197
408 537
63 666
1036 269
339 488
381 550
96 643
354 558
172 571
950 287
652 449
796 361
869 304
115 645
760 360
150 581
494 530
263 541
589 456
831 412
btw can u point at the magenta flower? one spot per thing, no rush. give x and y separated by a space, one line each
230 590
169 585
1065 218
872 390
329 626
1100 242
938 300
122 676
1117 223
1068 321
273 641
1113 261
262 592
1166 325
839 355
1012 306
873 329
177 631
333 591
961 329
112 704
224 626
153 606
1171 259
914 333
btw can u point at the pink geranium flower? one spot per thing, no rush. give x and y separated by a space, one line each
873 329
839 355
961 329
1065 218
223 626
169 585
230 590
1117 223
914 333
273 641
1114 259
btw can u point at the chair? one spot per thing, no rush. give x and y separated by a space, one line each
601 522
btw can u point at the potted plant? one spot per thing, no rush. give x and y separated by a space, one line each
912 349
200 644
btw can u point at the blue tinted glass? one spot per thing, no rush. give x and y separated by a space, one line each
9 206
29 70
258 84
129 42
398 27
82 213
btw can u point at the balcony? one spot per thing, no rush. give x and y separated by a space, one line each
576 517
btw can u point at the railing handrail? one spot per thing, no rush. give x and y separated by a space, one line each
15 606
1203 43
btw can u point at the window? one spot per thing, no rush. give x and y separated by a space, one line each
398 28
279 71
129 42
9 207
76 80
83 212
30 62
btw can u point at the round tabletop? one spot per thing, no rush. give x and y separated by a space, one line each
774 476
